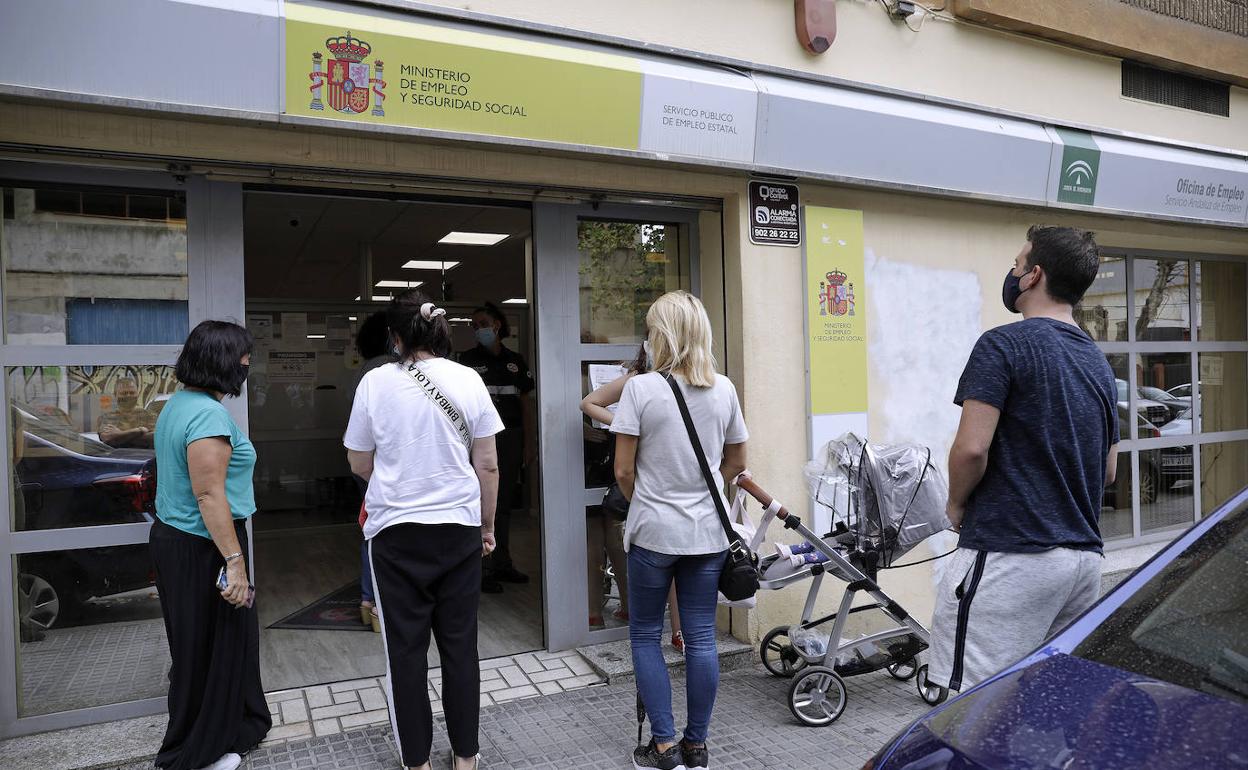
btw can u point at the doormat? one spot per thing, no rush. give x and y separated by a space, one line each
339 611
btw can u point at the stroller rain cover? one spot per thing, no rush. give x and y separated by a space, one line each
891 497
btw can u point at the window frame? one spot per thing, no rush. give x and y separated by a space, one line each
1192 347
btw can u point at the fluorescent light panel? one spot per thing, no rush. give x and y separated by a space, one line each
382 298
316 336
516 301
458 238
428 264
399 284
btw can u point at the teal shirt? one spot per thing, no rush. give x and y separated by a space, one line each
189 416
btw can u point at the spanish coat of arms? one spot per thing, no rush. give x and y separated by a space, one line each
346 79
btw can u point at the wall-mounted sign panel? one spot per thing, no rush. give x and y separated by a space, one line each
1113 173
697 112
381 69
817 128
775 214
216 55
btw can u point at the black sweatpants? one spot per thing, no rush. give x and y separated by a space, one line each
428 577
216 701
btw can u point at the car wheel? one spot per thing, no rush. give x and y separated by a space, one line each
932 694
817 696
780 657
1148 484
904 670
38 602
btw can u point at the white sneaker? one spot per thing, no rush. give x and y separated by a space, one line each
229 761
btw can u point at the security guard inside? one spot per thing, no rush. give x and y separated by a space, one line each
510 382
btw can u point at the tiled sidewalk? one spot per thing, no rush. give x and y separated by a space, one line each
330 709
595 728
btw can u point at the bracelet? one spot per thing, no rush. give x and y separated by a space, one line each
233 556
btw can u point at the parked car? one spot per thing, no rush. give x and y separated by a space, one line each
1154 411
1155 676
69 480
1174 406
1176 462
1182 393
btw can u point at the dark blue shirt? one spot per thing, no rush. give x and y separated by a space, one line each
1059 417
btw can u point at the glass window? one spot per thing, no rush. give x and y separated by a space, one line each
1116 504
599 443
1177 629
1161 300
1156 375
81 439
1103 311
626 266
1167 499
1223 391
90 629
1222 301
92 267
606 569
1118 363
1223 472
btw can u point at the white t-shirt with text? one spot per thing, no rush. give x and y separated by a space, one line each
422 473
672 511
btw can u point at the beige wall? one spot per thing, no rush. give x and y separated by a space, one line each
955 60
934 274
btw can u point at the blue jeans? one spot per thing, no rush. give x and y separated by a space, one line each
697 580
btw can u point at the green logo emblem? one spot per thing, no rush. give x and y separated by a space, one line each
1081 161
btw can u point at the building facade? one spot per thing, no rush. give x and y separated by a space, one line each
290 165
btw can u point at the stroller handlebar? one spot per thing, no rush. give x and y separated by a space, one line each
745 482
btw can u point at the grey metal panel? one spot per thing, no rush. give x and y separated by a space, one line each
66 719
808 127
222 54
80 537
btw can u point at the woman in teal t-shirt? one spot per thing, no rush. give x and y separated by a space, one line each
204 497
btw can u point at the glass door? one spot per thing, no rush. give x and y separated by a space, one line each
598 270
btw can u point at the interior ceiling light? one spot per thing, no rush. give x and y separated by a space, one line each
381 298
429 264
457 238
316 336
459 320
399 284
516 301
351 317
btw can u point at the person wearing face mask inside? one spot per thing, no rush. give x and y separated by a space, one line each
1036 447
510 382
198 545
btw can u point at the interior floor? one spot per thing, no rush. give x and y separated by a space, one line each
310 562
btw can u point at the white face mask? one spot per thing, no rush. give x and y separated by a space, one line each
645 346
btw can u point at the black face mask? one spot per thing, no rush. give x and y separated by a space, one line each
244 370
1011 291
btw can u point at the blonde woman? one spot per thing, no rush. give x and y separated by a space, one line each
604 530
673 530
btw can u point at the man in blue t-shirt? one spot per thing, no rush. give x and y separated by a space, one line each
1036 447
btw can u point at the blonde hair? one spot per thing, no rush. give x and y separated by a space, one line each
680 338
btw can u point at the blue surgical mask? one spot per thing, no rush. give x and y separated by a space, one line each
487 337
1011 291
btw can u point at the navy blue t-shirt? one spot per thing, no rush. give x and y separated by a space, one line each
1059 417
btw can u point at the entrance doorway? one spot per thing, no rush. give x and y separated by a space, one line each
317 267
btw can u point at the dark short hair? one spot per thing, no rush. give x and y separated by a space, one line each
372 340
640 364
211 357
415 333
490 309
1070 259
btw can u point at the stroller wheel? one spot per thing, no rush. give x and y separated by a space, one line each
780 657
932 694
904 670
817 696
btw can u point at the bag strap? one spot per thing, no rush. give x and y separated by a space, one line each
734 540
444 404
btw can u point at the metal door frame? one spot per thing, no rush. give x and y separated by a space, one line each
214 229
560 354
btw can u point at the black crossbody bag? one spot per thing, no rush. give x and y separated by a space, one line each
739 578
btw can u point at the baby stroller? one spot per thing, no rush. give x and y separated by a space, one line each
884 501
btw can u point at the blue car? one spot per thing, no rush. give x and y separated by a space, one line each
1154 676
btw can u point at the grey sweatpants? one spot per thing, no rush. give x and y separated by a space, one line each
993 608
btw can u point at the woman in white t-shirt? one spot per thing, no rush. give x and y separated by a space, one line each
422 434
673 529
